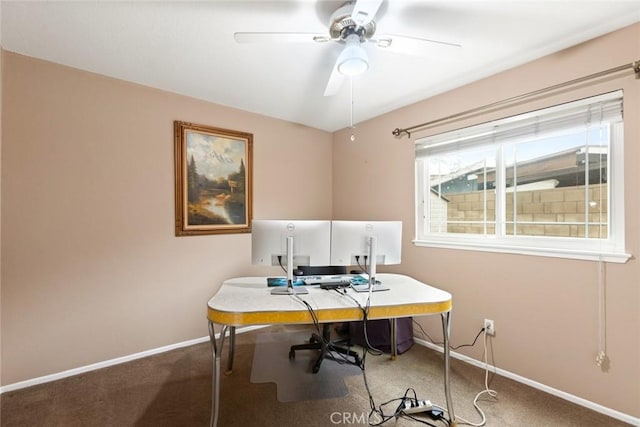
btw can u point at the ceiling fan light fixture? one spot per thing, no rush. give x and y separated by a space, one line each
353 61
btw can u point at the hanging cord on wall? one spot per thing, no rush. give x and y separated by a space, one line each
602 359
398 132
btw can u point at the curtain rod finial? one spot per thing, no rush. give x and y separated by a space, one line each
397 132
636 68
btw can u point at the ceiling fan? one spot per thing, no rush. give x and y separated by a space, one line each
352 25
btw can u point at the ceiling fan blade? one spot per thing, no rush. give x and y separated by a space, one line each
335 81
271 37
414 45
364 11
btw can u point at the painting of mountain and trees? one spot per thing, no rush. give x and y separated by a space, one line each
213 180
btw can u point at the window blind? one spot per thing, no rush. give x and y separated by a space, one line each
597 109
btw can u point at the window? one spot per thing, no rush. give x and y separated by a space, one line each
547 182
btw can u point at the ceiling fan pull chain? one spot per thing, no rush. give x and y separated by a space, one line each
353 136
351 104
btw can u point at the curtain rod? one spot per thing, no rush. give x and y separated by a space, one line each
634 65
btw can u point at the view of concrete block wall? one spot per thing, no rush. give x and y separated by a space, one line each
560 212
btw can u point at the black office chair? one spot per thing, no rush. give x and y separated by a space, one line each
323 343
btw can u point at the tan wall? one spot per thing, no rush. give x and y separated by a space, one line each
91 269
1 74
545 309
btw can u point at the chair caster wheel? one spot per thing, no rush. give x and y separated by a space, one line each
292 355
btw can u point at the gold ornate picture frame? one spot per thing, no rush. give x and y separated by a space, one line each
213 180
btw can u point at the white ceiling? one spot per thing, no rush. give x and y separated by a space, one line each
188 47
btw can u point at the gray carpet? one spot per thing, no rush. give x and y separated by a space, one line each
174 389
293 378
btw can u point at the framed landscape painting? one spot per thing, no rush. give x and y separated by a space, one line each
213 181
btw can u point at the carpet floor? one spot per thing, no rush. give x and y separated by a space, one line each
294 378
174 389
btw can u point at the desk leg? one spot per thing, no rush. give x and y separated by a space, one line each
232 346
394 338
216 350
446 329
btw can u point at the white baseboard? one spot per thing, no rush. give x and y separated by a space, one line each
555 392
107 363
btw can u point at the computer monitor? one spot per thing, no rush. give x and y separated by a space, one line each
366 243
289 243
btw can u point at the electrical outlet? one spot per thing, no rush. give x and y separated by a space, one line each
489 327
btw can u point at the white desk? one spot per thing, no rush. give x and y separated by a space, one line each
247 301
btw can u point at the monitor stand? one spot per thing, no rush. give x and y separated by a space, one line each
373 285
290 289
368 287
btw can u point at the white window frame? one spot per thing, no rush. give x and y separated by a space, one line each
611 249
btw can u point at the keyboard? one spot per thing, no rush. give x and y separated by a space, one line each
326 280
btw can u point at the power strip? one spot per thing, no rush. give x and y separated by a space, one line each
412 406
